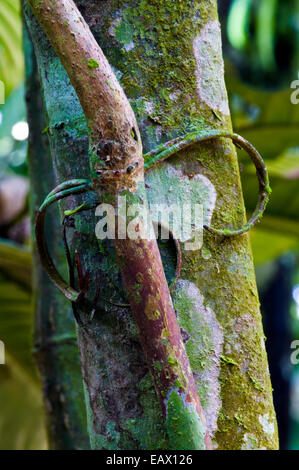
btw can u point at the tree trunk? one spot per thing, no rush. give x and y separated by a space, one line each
55 338
167 56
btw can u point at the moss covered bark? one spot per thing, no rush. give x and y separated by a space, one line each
167 56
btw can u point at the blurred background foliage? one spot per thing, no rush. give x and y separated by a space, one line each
261 49
11 55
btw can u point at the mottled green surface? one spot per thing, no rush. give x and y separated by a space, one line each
183 425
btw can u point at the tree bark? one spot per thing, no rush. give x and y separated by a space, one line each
55 338
167 56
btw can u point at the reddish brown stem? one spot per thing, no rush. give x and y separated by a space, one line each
158 328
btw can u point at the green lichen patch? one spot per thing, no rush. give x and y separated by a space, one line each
203 345
148 429
148 36
109 441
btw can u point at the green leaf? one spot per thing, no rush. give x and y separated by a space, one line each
22 424
21 418
270 122
278 231
265 32
238 23
267 119
268 244
15 263
284 200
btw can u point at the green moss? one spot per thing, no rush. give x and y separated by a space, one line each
173 361
150 65
200 344
93 64
227 360
257 385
